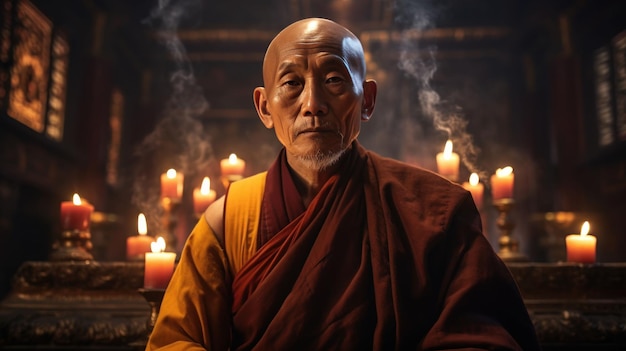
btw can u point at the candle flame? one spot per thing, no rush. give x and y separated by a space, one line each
142 226
473 179
76 200
205 188
232 159
171 173
584 229
447 150
158 245
503 172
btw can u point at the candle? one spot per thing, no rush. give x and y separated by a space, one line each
581 248
138 245
232 167
159 266
75 214
502 183
448 162
172 184
203 196
475 187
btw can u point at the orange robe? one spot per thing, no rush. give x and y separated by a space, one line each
386 257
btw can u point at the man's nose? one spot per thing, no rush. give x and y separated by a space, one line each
314 100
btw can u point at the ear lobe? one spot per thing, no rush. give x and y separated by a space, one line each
369 99
260 103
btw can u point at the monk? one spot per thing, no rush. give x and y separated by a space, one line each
335 247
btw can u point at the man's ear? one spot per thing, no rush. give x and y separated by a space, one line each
260 102
370 89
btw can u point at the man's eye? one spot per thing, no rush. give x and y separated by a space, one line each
293 83
335 79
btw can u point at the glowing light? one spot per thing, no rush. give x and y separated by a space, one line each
473 179
158 245
76 200
142 226
584 229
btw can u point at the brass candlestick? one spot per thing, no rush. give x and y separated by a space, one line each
508 245
74 245
154 298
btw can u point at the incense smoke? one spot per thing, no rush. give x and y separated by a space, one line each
420 64
179 140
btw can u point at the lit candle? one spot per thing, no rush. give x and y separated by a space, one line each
138 245
159 266
232 167
203 196
502 183
581 248
75 214
172 184
448 162
475 187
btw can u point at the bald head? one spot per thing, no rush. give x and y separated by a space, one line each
316 34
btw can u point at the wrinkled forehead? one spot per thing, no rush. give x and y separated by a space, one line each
315 36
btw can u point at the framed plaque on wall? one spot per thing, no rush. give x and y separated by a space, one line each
29 73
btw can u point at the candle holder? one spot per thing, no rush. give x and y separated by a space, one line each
74 245
170 220
154 298
508 245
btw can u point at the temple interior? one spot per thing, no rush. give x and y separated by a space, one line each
102 97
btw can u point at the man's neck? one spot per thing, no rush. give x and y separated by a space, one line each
309 180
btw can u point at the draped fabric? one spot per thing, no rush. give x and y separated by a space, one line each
384 258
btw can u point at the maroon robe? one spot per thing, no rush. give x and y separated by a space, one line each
386 257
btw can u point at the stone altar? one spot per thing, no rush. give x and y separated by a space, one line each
96 306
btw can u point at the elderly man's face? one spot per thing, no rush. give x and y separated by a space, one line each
314 94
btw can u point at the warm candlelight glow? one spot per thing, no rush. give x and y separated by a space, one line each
159 266
581 248
502 183
76 200
504 172
232 159
158 245
473 179
171 173
142 226
205 188
138 245
203 196
75 214
447 150
172 184
232 167
448 162
476 188
584 229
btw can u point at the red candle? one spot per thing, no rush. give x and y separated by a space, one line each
581 248
138 245
159 266
172 184
203 196
448 162
75 214
475 187
232 167
502 183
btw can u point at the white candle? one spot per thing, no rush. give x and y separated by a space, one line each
581 248
475 187
448 162
159 266
502 183
203 196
